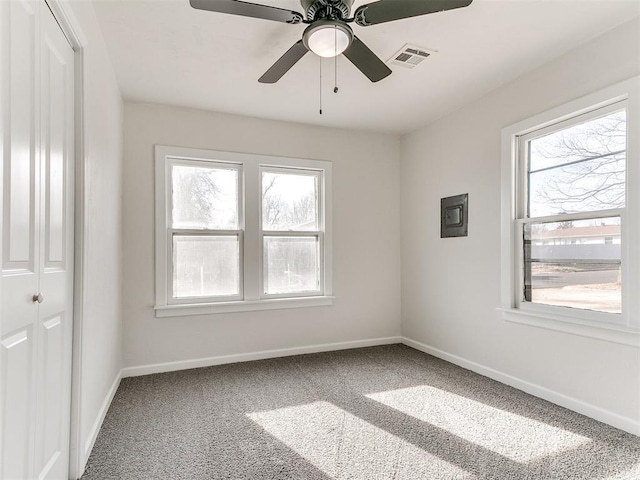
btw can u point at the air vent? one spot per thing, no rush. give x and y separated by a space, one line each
410 56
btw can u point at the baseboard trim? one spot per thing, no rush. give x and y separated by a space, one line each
247 357
97 424
592 411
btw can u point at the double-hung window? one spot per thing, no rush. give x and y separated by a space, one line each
237 232
572 197
291 232
204 231
570 256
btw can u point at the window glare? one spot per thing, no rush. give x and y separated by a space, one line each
205 266
204 197
234 234
581 168
289 201
291 265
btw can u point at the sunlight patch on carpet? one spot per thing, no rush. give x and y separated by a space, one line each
345 446
518 438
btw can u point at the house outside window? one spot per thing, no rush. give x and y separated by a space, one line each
238 232
570 217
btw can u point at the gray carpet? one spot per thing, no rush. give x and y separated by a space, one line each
372 413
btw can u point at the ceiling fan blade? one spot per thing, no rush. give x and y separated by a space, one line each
389 10
284 63
247 9
366 61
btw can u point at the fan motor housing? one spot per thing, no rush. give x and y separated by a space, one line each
317 9
322 24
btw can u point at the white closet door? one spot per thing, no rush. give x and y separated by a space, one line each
20 259
56 252
37 242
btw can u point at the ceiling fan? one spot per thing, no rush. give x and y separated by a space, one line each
329 33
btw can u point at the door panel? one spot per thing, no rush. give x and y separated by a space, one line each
20 175
56 234
36 83
17 353
50 397
56 77
19 277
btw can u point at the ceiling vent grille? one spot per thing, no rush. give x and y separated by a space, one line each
410 56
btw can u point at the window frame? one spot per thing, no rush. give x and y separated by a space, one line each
249 232
524 217
319 233
619 328
171 231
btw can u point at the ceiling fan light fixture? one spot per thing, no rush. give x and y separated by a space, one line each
328 38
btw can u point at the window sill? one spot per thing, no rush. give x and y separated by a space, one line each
608 332
241 306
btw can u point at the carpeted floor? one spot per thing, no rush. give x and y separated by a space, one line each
373 413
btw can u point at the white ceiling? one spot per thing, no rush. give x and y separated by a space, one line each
166 52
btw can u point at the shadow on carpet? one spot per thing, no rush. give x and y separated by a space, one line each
388 412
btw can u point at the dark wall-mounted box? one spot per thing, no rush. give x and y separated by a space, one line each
454 213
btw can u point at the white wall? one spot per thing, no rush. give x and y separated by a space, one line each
101 339
451 287
366 237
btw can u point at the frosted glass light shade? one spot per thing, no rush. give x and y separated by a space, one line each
329 41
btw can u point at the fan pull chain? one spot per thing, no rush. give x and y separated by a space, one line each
320 85
335 60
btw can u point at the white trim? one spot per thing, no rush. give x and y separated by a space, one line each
76 457
3 109
511 251
161 187
594 101
618 421
584 113
68 22
567 324
248 357
251 298
165 165
569 314
102 413
612 212
602 415
319 175
178 310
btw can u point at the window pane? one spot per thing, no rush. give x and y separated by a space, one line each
289 201
291 265
204 197
574 264
206 266
579 169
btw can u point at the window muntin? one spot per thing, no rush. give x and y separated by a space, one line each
572 197
205 236
292 232
191 281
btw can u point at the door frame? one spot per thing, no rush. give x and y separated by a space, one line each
71 28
